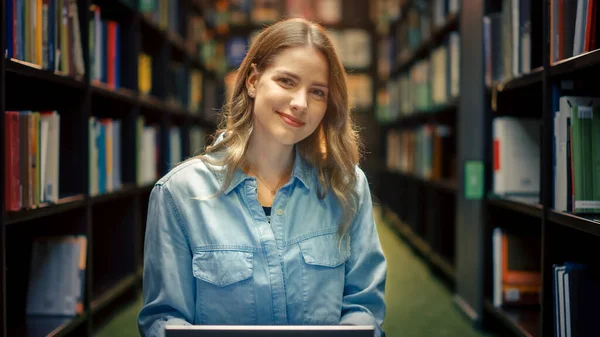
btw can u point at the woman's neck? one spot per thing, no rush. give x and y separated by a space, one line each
270 160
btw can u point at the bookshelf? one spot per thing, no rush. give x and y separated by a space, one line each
419 118
509 85
113 220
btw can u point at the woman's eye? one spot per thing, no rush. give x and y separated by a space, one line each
319 92
286 81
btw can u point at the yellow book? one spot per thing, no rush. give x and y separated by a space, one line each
164 14
144 74
141 79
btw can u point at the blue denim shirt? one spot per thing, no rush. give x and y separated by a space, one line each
219 261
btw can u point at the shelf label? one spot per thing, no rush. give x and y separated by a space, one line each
474 180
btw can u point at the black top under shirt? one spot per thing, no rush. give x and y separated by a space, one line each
267 210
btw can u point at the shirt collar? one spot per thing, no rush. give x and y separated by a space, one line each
301 171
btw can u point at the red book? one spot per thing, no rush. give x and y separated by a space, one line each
589 26
12 193
111 52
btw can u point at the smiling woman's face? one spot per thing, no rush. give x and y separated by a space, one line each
290 96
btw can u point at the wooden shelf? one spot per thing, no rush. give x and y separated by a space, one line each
112 292
46 209
576 63
446 185
45 326
590 225
534 210
443 265
443 113
145 189
520 82
152 103
34 72
523 322
436 260
425 48
125 191
121 94
203 122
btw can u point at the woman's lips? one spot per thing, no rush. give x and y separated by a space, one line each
290 120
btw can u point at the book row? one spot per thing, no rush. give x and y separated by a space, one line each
429 84
512 39
32 144
427 152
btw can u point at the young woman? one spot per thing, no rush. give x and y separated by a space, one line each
273 224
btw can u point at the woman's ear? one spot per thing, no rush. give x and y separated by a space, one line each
251 80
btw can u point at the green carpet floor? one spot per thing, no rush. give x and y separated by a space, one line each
418 303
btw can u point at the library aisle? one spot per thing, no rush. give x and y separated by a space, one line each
419 304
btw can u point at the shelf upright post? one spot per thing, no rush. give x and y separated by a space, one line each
83 163
547 314
136 49
2 185
471 155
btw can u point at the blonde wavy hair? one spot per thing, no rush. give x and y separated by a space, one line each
334 148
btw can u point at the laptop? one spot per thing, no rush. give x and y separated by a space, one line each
269 331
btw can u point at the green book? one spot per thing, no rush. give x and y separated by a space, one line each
576 153
582 140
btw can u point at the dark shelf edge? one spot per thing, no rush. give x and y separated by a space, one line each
524 80
574 221
447 185
528 209
426 46
65 329
509 323
121 94
421 117
125 191
435 259
145 188
575 63
114 292
63 205
27 69
60 330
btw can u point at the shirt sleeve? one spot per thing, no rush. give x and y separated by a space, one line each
168 282
366 268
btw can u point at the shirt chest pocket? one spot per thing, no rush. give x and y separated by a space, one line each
225 287
323 276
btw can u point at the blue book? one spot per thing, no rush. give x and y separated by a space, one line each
101 144
582 299
51 48
116 153
20 27
9 23
104 73
57 277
